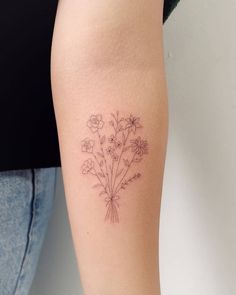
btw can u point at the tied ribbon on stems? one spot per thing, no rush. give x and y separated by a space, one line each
112 208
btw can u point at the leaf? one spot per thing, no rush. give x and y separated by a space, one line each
137 160
100 154
138 125
119 173
113 116
120 128
124 184
102 193
126 162
101 174
97 185
103 139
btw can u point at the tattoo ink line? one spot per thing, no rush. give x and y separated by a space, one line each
113 151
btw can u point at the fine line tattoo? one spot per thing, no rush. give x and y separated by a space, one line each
112 156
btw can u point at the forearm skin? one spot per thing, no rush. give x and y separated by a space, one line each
107 58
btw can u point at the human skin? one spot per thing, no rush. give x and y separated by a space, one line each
107 57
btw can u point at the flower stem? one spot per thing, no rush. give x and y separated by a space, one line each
117 187
99 179
118 164
101 182
96 159
112 213
102 150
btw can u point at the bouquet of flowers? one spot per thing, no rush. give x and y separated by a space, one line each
112 156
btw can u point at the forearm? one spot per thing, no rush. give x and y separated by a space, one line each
107 57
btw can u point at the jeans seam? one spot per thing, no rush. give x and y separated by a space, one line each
55 183
29 233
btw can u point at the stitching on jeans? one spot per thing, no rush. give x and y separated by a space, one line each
32 210
55 182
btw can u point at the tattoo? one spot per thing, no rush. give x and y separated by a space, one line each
112 156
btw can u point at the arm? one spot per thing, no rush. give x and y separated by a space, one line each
111 109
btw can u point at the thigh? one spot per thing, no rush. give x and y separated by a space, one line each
26 198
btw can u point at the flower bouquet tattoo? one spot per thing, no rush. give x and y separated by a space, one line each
112 156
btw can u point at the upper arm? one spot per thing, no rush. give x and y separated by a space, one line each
106 33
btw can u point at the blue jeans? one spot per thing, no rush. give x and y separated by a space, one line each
26 199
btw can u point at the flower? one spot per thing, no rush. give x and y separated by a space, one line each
118 144
112 139
95 122
115 157
139 146
87 166
87 145
132 123
120 127
110 150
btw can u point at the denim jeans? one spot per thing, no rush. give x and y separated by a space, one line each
26 199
